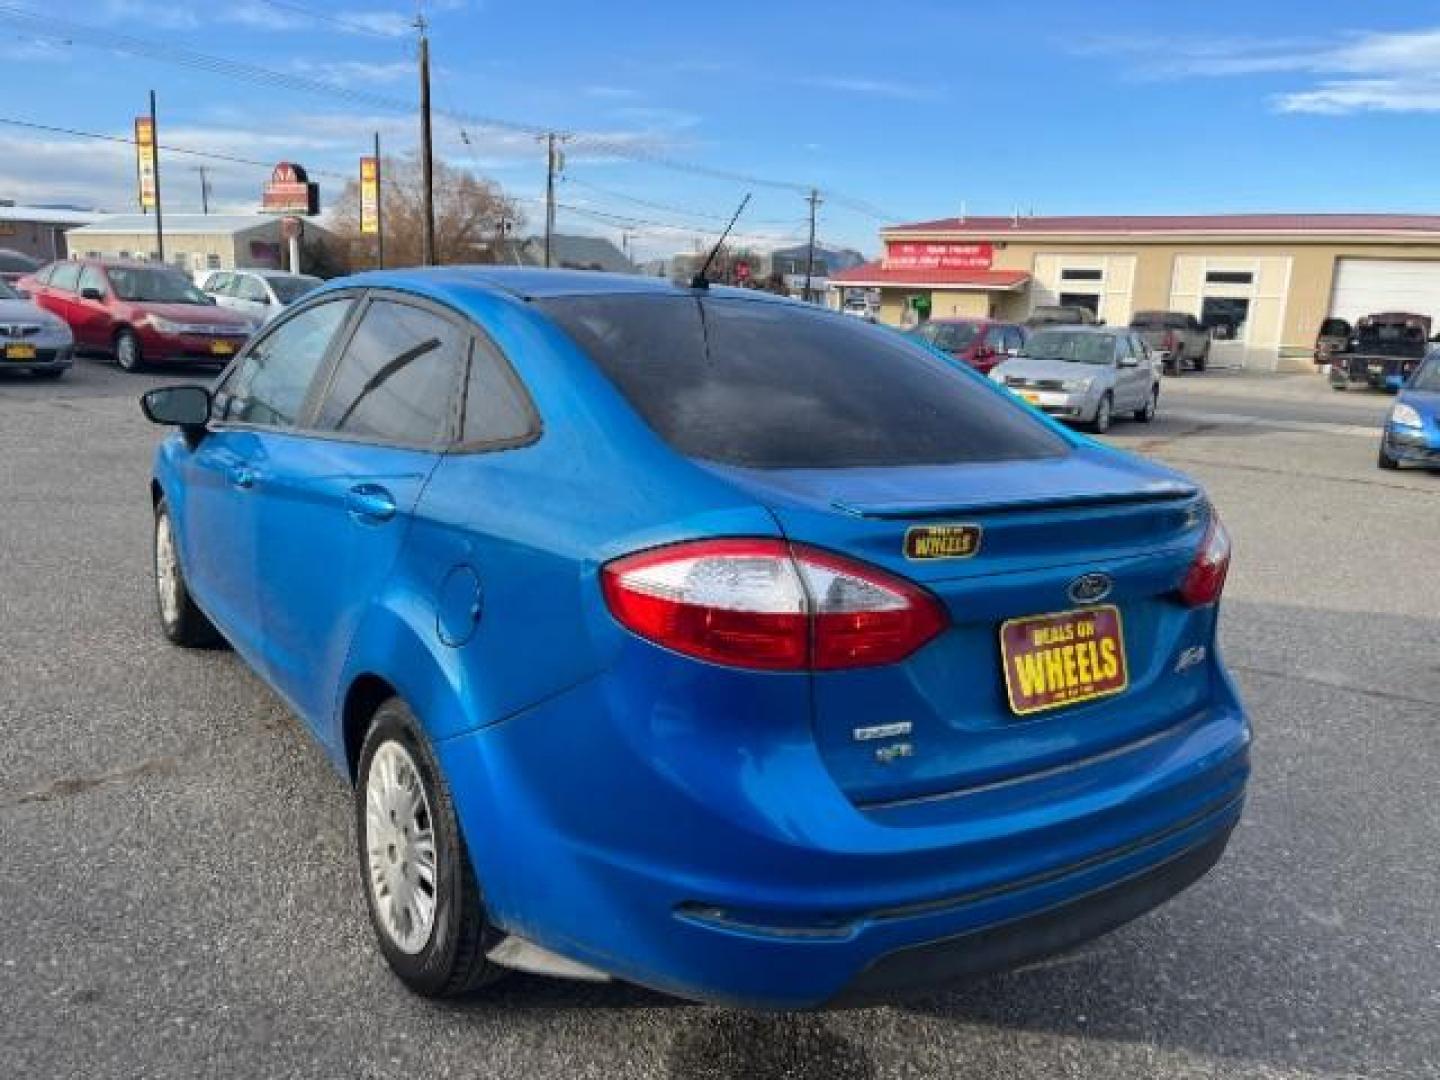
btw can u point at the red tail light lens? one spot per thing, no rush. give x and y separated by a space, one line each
1205 580
766 604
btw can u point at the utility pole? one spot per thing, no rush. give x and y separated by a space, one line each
379 206
550 170
814 200
155 165
427 164
204 188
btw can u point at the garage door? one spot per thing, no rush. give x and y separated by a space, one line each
1365 286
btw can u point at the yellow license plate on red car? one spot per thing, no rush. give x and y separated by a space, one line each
221 348
19 352
1063 658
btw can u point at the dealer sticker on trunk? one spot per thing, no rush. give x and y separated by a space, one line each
1063 658
942 541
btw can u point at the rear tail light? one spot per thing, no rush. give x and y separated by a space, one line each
763 603
1205 580
1168 342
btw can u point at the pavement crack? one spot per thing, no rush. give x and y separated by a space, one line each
68 786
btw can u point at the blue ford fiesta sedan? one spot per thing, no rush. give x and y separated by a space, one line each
701 639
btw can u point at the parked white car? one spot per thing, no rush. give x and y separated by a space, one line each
1085 374
258 294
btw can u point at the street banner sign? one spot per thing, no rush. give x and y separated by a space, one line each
145 160
369 195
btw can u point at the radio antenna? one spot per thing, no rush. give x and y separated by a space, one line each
699 281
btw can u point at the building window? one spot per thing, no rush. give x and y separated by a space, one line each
212 262
1225 317
1089 301
1081 273
124 254
1229 277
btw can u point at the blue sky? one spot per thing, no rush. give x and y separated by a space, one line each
897 111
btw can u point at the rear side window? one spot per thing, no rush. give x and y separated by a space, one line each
90 278
270 384
496 412
771 385
398 378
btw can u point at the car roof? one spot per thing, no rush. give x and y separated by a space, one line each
1086 328
533 283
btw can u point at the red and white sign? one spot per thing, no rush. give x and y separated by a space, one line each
926 255
290 191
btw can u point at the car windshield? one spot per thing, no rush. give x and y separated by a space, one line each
1428 377
952 337
290 289
1072 347
154 284
776 385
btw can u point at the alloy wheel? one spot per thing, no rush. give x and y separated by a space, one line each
167 571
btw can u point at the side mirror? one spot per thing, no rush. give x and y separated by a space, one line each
91 293
177 406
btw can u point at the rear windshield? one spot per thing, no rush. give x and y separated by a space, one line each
952 337
770 385
1158 320
1393 333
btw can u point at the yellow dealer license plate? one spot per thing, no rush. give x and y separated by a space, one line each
1063 658
19 352
1033 399
221 348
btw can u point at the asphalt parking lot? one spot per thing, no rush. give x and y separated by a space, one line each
180 899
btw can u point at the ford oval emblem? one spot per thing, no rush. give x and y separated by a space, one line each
1090 588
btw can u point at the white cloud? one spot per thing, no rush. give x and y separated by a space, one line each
880 88
1355 72
356 72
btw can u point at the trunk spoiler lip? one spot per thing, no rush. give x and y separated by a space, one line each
1158 493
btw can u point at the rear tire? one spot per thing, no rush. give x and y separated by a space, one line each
1202 361
183 623
1103 415
1146 412
1385 461
421 892
127 352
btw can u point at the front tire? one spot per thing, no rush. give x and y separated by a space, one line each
1103 414
1385 461
127 352
420 889
183 623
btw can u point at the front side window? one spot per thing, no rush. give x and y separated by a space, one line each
272 380
398 377
91 278
771 385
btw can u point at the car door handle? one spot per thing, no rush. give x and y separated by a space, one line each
370 503
242 476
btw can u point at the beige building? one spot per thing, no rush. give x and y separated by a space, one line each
193 242
1262 282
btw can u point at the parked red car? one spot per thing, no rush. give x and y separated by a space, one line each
139 313
981 343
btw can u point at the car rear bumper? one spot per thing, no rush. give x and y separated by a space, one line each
749 879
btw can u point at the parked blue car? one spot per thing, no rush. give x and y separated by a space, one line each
1412 430
702 639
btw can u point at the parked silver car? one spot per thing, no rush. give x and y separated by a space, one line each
257 294
1085 374
32 339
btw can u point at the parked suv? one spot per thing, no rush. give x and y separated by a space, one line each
1061 315
259 295
978 342
1177 337
140 313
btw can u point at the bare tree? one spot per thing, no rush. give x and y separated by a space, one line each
471 212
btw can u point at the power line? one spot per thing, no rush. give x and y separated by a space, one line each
341 21
169 148
104 38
